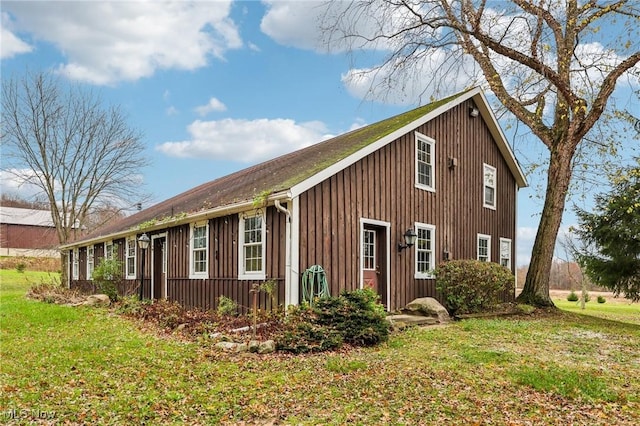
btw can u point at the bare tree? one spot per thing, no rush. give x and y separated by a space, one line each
550 63
78 152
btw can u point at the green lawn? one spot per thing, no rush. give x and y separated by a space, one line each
90 366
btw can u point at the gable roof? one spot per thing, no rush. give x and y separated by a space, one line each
30 217
290 175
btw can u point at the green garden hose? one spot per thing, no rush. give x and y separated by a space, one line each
314 284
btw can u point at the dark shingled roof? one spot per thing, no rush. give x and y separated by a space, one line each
273 176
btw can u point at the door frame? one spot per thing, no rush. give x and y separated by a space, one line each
153 263
386 258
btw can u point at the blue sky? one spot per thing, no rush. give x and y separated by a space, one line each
213 86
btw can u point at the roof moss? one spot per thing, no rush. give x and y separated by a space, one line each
358 139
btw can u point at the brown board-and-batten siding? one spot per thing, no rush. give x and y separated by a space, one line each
381 187
223 264
85 284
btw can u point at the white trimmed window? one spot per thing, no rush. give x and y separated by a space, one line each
489 193
369 249
425 165
252 248
108 250
505 252
75 265
484 248
130 254
425 245
90 262
199 253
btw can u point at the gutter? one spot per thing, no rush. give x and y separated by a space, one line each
288 278
190 218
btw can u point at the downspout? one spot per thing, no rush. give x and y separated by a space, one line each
288 299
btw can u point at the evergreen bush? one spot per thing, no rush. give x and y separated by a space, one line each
572 297
354 317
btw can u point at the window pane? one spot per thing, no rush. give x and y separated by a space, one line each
424 163
489 195
424 250
200 261
369 249
483 249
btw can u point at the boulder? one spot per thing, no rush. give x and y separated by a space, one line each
254 346
427 306
227 346
97 300
267 347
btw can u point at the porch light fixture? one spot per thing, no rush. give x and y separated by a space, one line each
409 239
143 242
474 112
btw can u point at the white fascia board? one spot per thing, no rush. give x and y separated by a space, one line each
495 129
202 215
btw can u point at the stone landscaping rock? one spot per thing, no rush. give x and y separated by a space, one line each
254 346
427 306
226 346
267 347
97 300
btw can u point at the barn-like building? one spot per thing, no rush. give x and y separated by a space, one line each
444 172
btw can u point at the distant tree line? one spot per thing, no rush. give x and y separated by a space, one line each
564 276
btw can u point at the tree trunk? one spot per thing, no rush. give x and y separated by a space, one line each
536 286
64 268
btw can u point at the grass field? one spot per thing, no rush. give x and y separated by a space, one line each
63 365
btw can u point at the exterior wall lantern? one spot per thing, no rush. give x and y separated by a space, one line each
143 242
409 239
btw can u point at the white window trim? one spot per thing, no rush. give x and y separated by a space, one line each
486 166
108 254
374 254
204 274
91 261
425 275
75 264
128 241
506 240
432 143
254 275
484 237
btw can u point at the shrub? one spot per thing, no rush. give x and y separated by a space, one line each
303 334
227 306
106 276
53 292
601 299
471 286
21 267
573 297
355 317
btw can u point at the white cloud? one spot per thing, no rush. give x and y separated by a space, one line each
247 141
526 235
17 182
107 42
10 44
294 23
418 83
214 105
171 110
